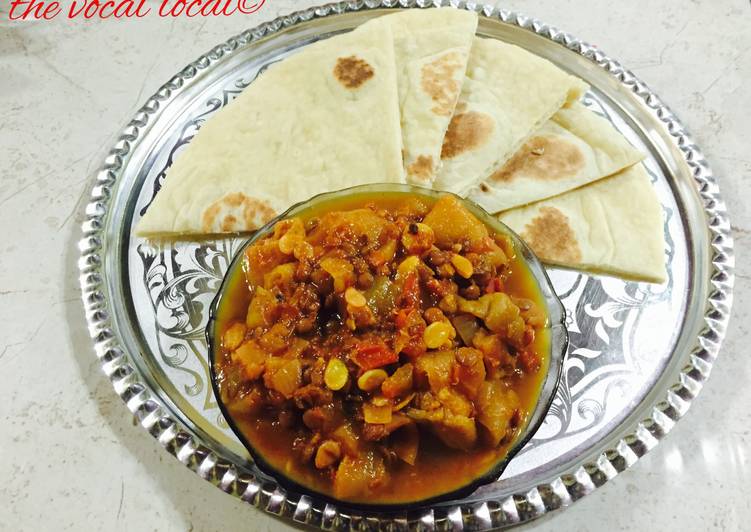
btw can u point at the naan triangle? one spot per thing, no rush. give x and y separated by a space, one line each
612 226
323 119
572 149
431 47
508 94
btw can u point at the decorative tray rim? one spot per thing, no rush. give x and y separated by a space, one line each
153 415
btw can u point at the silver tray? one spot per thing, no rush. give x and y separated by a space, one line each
639 353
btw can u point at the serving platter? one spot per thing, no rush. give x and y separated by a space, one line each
639 353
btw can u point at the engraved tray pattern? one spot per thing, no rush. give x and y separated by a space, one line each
639 353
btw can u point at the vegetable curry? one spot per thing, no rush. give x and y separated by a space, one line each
381 349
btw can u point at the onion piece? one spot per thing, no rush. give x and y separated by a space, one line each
404 402
376 414
467 326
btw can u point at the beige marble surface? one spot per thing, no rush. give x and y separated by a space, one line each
70 457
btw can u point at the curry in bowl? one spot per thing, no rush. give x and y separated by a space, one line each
380 348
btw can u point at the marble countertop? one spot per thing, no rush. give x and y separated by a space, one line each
70 455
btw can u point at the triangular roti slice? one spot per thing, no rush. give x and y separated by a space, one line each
323 119
507 95
431 48
573 148
612 226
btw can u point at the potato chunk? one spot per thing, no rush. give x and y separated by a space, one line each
496 406
252 359
499 313
454 430
259 309
249 404
351 225
260 259
455 402
341 271
234 336
452 223
283 375
458 432
471 372
359 476
438 367
280 277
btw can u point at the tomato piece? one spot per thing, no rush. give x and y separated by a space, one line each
494 285
529 361
371 356
529 335
410 297
402 319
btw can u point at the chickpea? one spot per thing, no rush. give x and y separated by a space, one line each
371 379
438 334
462 265
336 374
354 297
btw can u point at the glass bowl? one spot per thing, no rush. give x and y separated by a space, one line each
556 326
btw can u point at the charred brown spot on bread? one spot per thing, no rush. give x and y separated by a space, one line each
353 72
209 215
421 168
543 158
229 223
466 132
236 212
550 236
235 199
257 212
439 83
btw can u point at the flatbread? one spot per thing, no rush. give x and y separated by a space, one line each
572 149
612 226
508 94
431 48
324 119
